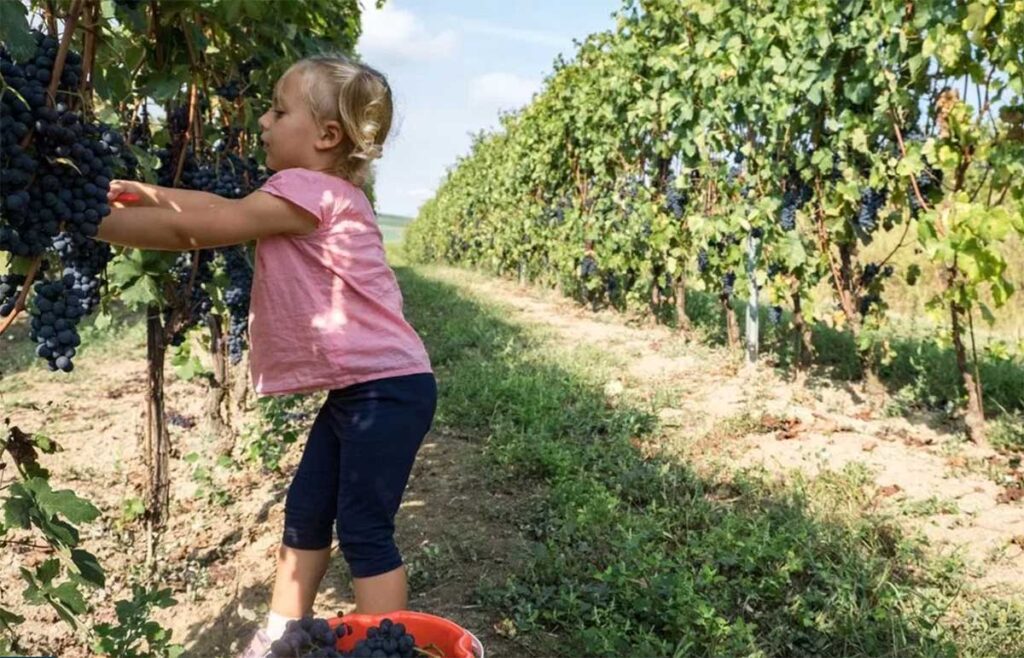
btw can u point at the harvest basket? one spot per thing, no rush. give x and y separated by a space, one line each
438 636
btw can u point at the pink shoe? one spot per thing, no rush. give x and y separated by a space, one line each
259 646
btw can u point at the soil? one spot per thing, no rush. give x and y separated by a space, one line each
219 558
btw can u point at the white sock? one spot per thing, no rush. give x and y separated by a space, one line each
275 625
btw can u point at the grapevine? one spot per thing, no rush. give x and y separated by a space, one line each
817 167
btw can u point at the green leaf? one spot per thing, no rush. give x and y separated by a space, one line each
132 508
46 445
69 594
17 509
47 571
142 293
859 140
102 321
68 163
792 250
9 619
986 313
163 88
89 567
66 503
14 29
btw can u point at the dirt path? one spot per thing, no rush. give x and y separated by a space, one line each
220 557
714 411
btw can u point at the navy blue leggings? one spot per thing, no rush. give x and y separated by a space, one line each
354 469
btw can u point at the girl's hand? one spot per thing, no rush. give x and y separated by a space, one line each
142 194
117 187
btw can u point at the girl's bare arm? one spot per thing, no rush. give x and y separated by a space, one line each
158 196
217 223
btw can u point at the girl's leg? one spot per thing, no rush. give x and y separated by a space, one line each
382 425
309 517
384 593
299 573
298 578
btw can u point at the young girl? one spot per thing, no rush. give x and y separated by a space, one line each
326 314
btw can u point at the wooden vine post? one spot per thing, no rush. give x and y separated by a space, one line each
216 396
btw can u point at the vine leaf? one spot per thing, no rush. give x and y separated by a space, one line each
14 30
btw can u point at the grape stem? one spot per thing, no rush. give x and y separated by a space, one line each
51 18
19 304
899 245
62 53
913 179
837 275
193 92
27 544
58 63
89 56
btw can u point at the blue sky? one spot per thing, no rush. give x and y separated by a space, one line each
453 65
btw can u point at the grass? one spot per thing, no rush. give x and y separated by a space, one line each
393 228
918 368
18 352
644 557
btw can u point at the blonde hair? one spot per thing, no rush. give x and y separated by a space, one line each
356 96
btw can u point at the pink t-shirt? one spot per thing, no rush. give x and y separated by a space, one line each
326 310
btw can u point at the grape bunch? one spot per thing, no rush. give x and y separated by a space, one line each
308 636
57 308
588 267
140 134
10 288
311 637
229 139
230 91
929 182
56 164
871 272
177 120
702 260
797 194
188 296
228 176
865 303
84 260
728 282
775 315
675 201
388 640
556 214
871 200
249 65
236 296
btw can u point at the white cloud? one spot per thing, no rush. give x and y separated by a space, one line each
525 35
397 35
420 193
502 91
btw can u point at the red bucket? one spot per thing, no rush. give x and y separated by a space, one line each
437 634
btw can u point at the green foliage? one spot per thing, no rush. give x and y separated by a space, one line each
639 555
740 108
32 509
204 476
281 419
155 54
135 635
